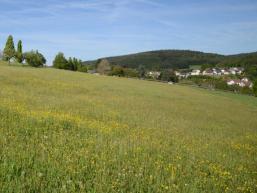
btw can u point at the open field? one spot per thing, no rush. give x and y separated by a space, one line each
72 132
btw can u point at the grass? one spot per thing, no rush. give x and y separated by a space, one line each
70 132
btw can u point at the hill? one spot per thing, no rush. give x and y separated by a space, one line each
63 131
165 59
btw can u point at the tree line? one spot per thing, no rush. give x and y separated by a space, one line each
32 58
72 64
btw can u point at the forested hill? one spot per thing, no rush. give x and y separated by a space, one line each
164 59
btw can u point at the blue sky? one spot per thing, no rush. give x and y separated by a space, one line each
89 29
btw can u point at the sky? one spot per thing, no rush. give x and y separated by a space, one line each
91 29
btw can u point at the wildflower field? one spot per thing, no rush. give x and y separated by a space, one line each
71 132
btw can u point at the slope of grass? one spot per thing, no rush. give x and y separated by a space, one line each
72 132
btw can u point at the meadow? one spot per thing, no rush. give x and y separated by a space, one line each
64 131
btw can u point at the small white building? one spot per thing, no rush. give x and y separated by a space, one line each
195 73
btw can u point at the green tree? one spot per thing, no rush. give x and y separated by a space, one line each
70 64
75 64
255 88
168 75
19 54
35 59
9 50
129 72
141 71
60 62
117 71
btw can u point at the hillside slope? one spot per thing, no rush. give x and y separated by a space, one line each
165 59
62 131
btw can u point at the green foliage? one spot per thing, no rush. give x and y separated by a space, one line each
34 59
9 50
72 64
165 59
19 53
169 76
129 72
60 62
117 71
141 71
255 88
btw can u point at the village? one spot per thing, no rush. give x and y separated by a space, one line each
231 75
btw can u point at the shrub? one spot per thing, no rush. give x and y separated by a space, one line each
34 59
255 88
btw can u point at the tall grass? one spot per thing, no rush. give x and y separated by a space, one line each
72 132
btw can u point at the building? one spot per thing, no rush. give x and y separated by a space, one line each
208 72
236 70
195 73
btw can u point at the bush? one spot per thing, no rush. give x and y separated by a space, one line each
34 59
168 75
117 71
129 72
60 62
255 88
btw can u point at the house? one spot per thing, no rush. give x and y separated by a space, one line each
217 71
236 70
184 75
208 72
177 73
224 72
195 73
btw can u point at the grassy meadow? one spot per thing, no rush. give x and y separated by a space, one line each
64 131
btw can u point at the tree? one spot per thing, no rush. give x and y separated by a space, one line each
103 66
70 64
75 64
255 88
60 62
168 75
129 72
9 50
141 71
35 59
19 54
117 71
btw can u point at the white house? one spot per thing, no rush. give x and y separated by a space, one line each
195 73
177 73
208 72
